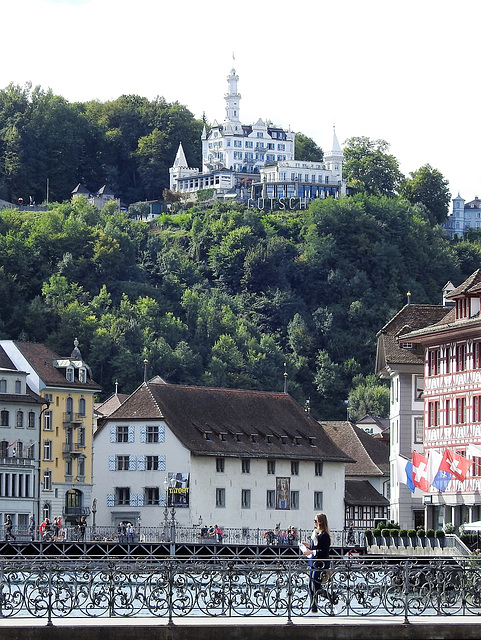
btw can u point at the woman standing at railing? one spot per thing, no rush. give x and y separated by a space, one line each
318 552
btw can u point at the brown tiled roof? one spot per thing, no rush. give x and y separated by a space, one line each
5 362
361 492
410 318
371 456
41 359
470 285
232 422
111 404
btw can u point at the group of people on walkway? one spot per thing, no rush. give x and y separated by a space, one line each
214 531
126 532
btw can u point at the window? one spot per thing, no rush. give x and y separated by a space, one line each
433 362
476 408
246 499
318 468
418 430
294 468
477 355
246 465
82 375
461 357
47 450
4 418
122 463
122 495
152 434
19 419
81 468
81 437
152 495
270 499
3 386
47 480
68 468
3 448
461 410
152 463
271 467
31 419
318 500
81 407
47 421
419 387
220 465
295 500
70 374
220 498
476 469
122 434
433 414
18 386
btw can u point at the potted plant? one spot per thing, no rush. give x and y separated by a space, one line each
403 534
386 534
368 536
430 536
421 534
440 536
449 528
412 537
394 533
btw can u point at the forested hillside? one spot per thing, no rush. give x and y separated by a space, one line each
226 295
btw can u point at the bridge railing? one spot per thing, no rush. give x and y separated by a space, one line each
237 587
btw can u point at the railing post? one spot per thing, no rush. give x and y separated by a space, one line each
171 591
289 592
406 591
49 599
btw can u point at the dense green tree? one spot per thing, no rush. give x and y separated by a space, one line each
429 187
306 149
368 395
369 168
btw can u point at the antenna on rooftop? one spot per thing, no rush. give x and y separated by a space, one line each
409 297
285 378
146 362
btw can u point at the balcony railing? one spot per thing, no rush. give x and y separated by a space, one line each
70 417
231 587
17 462
73 448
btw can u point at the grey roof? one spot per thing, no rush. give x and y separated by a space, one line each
361 492
232 422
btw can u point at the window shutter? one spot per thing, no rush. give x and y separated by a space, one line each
110 500
162 501
131 433
161 463
111 463
161 433
132 463
113 433
140 499
143 434
140 463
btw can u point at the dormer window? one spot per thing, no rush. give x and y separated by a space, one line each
297 440
283 439
222 436
18 386
312 441
82 375
207 435
3 386
269 439
70 374
238 437
254 438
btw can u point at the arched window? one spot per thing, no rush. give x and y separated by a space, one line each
81 407
70 374
4 418
69 408
3 449
18 386
19 418
3 386
46 510
82 375
31 419
19 449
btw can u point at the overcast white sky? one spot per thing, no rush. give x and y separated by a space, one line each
407 72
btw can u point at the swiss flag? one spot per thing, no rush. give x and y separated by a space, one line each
420 471
455 464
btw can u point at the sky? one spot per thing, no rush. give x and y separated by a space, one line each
405 72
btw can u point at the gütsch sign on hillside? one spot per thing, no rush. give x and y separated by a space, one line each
278 204
178 490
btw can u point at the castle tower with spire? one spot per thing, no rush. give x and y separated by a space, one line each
236 156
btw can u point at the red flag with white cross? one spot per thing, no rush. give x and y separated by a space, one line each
420 471
455 464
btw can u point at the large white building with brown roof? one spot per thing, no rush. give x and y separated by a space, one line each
402 363
233 457
65 439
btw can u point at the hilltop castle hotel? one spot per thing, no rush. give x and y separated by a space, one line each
256 161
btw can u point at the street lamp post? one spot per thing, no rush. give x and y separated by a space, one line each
94 513
169 484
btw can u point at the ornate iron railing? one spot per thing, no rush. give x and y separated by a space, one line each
221 587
